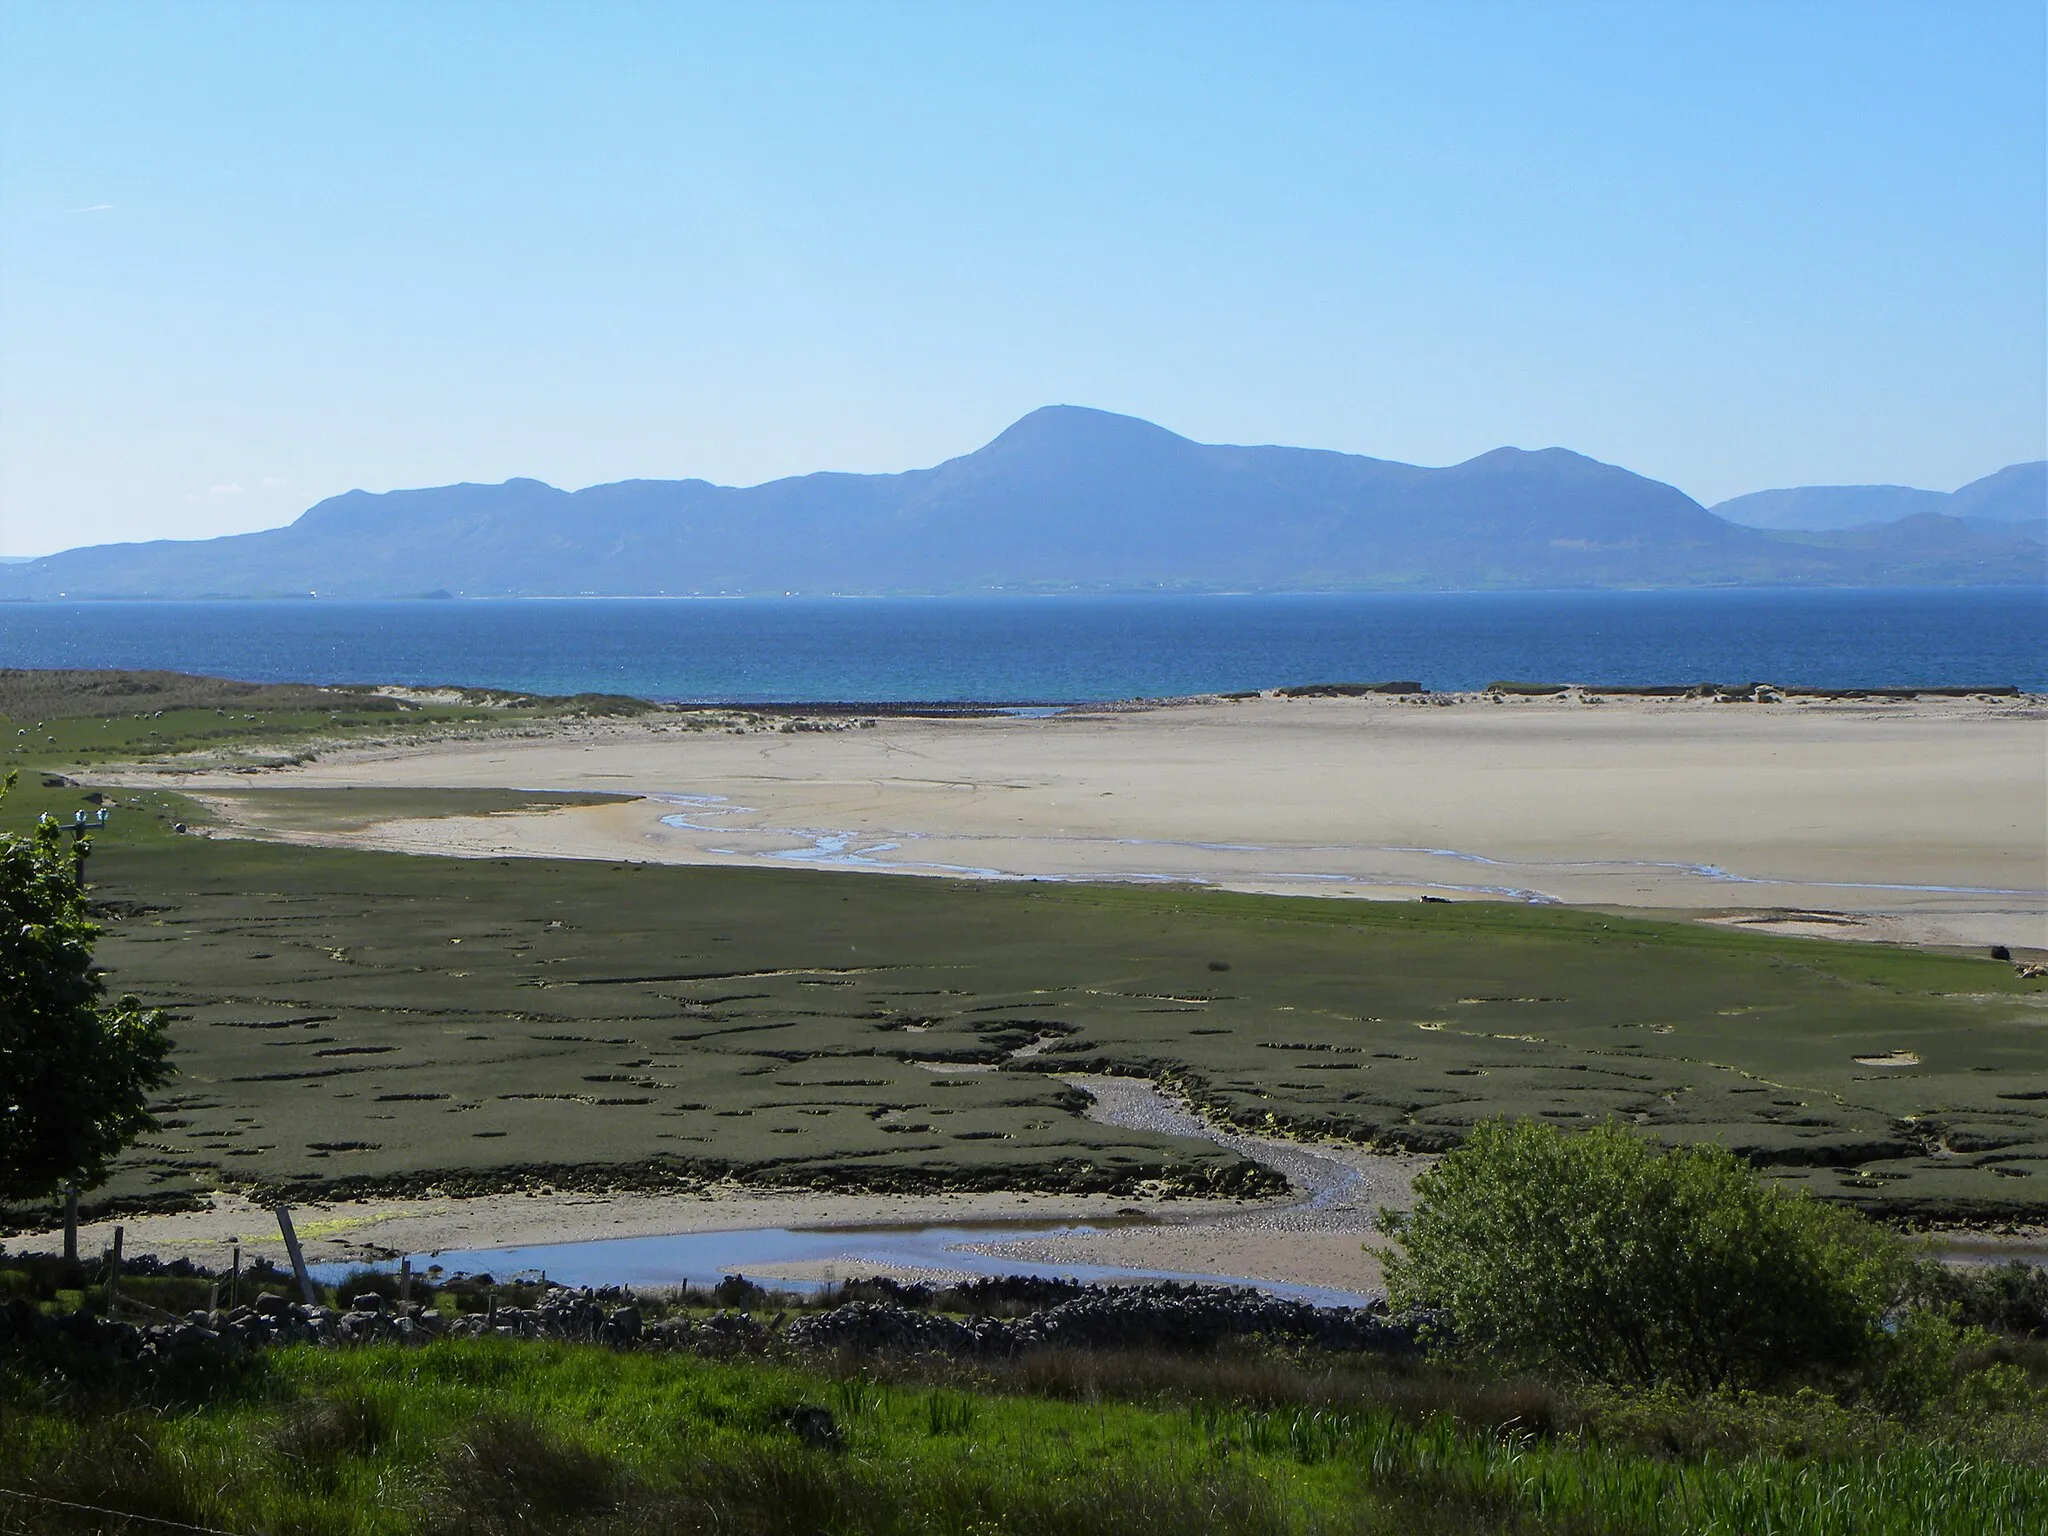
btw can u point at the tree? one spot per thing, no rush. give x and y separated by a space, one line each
1598 1252
75 1070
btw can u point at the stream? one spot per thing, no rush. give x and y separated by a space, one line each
1336 1194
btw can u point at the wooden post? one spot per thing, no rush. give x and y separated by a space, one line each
404 1280
113 1283
213 1303
291 1246
235 1276
70 1223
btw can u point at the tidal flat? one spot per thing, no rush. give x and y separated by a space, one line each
353 1020
366 1022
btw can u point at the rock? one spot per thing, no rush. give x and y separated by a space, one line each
1181 1318
1040 1314
816 1428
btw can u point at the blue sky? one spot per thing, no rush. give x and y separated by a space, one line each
255 254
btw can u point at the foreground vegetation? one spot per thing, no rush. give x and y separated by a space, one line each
1915 1401
495 1435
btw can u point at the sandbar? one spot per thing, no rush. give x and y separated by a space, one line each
1921 821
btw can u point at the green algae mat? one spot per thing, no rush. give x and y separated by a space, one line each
364 1021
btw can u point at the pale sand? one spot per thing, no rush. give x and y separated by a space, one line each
1320 1238
359 1231
1924 821
1189 1237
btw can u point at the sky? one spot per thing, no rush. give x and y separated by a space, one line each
253 255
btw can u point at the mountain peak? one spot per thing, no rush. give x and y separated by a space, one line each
1080 428
1067 498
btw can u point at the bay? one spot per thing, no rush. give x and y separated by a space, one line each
1064 649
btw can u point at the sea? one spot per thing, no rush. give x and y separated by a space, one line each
1065 649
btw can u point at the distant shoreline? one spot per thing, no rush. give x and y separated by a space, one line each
1750 692
1022 594
1053 652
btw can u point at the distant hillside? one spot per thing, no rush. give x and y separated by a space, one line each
1065 500
2017 494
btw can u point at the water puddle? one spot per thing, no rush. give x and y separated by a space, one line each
703 1258
1332 1194
1958 1249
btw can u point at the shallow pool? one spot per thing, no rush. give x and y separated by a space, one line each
702 1258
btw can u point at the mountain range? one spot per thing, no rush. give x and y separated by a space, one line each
1071 499
2016 495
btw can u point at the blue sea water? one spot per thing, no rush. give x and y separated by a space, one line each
1064 649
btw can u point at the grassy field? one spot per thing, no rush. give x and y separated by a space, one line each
364 1020
58 720
504 1436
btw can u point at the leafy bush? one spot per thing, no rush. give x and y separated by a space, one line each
2008 1298
75 1071
1599 1253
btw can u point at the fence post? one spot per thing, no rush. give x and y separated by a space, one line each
291 1246
113 1281
235 1275
405 1279
70 1223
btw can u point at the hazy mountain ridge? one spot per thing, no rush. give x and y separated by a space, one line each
1064 499
2016 495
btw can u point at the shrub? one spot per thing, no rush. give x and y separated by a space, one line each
75 1071
2009 1298
1599 1253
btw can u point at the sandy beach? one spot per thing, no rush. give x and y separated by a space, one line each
1919 821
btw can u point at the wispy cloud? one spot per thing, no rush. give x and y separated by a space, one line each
274 482
92 208
226 490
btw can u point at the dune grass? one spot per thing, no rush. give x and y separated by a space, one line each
59 719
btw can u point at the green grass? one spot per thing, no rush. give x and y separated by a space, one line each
352 809
351 1020
267 737
494 1436
58 720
